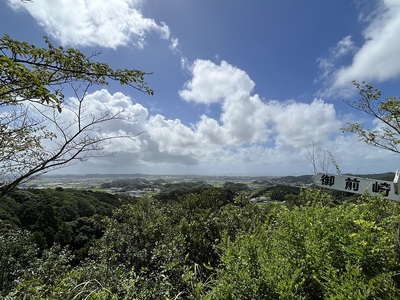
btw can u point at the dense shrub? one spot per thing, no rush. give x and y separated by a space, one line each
316 251
211 244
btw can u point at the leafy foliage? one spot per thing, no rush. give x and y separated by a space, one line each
236 187
210 244
172 191
318 251
68 218
275 192
29 73
33 83
387 112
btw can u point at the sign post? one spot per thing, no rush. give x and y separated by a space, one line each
360 185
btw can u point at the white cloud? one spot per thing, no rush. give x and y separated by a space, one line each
245 119
211 83
240 137
300 124
250 136
328 64
93 22
343 47
171 135
174 44
129 121
102 101
376 60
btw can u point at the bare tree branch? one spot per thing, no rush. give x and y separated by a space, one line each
34 137
77 140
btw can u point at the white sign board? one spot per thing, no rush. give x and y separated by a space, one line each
358 185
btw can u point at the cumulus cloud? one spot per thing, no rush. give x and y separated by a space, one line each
212 83
129 121
301 124
169 146
375 60
93 22
246 119
250 135
249 131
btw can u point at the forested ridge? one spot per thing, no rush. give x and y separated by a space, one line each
201 243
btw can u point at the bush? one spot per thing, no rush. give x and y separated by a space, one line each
317 251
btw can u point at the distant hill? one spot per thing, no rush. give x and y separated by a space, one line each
301 179
305 179
388 176
294 179
83 176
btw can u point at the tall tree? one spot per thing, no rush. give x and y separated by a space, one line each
387 112
33 81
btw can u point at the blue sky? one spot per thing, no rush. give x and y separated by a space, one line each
249 88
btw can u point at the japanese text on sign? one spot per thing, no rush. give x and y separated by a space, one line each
357 185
